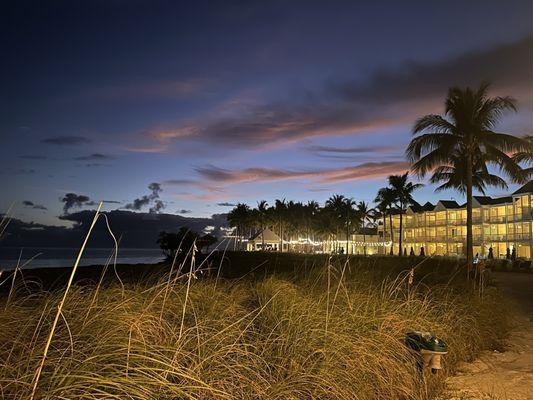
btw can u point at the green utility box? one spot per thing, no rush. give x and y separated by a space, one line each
429 347
425 341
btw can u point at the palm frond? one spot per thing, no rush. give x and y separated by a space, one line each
430 142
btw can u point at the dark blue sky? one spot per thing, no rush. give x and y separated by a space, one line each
221 102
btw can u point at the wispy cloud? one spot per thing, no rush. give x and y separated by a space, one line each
363 171
354 150
31 204
66 140
179 182
147 149
390 97
318 190
94 157
226 204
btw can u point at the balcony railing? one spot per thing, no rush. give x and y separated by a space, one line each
496 219
498 237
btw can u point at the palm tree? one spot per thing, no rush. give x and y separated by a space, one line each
239 218
385 201
454 177
279 212
351 218
366 216
294 217
403 195
336 205
262 211
312 209
325 226
464 142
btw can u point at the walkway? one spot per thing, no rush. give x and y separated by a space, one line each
507 375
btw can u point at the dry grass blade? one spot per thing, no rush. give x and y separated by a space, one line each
61 303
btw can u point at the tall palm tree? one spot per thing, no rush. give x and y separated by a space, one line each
403 195
279 212
351 218
366 216
385 201
464 139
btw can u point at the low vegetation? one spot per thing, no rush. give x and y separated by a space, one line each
259 326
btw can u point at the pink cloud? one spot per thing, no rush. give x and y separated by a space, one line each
318 176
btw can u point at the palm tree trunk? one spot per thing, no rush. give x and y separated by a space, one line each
364 241
347 231
384 232
262 236
469 241
401 226
281 237
391 235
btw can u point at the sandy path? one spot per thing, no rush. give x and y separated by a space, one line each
507 375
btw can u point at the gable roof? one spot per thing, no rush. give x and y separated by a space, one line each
483 200
416 207
267 235
502 200
449 204
527 188
487 200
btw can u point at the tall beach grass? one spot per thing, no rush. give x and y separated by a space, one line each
296 328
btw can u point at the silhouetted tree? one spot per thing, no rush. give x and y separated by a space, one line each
206 242
180 242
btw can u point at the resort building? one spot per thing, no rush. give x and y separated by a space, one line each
499 223
265 240
366 241
503 224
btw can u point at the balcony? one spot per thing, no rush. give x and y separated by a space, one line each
498 238
496 219
521 236
519 217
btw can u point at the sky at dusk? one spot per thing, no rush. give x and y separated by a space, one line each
222 102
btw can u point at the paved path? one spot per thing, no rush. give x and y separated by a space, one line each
507 375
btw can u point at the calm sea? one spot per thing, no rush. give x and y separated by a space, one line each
55 257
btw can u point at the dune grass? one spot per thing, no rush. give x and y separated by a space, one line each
322 329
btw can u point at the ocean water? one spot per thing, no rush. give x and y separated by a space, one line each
56 257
